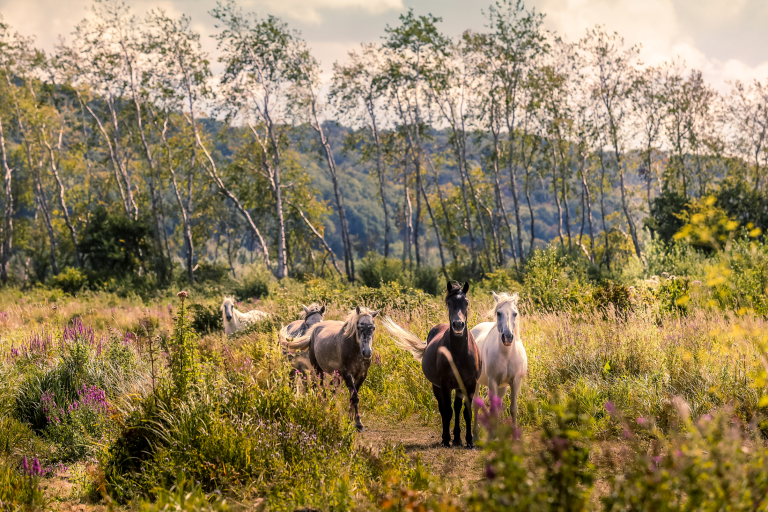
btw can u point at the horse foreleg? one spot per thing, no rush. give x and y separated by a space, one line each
513 401
458 402
444 406
353 401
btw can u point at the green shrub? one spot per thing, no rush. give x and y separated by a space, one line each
211 272
562 478
184 496
71 281
427 279
206 318
254 285
611 294
708 466
374 270
555 280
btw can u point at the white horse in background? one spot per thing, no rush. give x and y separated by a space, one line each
235 321
505 362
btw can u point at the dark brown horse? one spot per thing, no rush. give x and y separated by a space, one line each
345 348
456 338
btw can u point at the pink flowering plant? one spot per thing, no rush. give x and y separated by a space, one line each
77 426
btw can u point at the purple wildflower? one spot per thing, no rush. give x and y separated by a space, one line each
610 407
641 421
490 474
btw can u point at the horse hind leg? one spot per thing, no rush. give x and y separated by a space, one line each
444 406
468 416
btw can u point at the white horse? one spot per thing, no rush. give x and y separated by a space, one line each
235 321
505 362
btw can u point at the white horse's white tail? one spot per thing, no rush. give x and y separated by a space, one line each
405 340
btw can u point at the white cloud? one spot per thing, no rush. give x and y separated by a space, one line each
311 11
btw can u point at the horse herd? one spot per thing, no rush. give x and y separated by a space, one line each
453 357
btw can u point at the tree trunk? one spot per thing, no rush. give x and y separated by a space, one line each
320 237
557 197
62 203
448 224
7 245
564 187
513 189
186 213
500 203
408 212
602 212
380 173
588 201
349 262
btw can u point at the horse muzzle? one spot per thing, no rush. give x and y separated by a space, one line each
507 340
229 318
458 327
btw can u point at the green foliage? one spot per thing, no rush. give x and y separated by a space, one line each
114 245
376 271
182 351
254 285
184 496
206 318
556 281
709 466
562 478
71 280
612 294
665 218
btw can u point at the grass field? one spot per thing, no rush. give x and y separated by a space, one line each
116 403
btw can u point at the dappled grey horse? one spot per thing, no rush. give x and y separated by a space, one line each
309 316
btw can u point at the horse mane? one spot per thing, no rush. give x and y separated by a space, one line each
504 298
456 288
311 309
350 323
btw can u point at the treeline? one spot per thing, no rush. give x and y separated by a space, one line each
124 156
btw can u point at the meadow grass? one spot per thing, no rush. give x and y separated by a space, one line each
162 418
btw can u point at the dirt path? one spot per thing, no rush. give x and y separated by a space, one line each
423 440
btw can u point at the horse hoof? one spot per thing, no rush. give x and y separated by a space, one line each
445 444
471 446
359 427
457 444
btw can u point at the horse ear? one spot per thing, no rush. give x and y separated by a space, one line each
465 289
322 309
450 286
373 315
515 297
357 309
495 296
306 309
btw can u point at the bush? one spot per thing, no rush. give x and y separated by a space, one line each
211 272
556 281
71 281
427 279
612 294
254 285
206 318
374 270
563 477
114 244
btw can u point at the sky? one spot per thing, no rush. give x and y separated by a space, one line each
726 39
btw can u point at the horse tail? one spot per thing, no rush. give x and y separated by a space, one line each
405 340
283 335
303 341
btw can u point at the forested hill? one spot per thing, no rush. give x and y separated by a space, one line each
124 156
